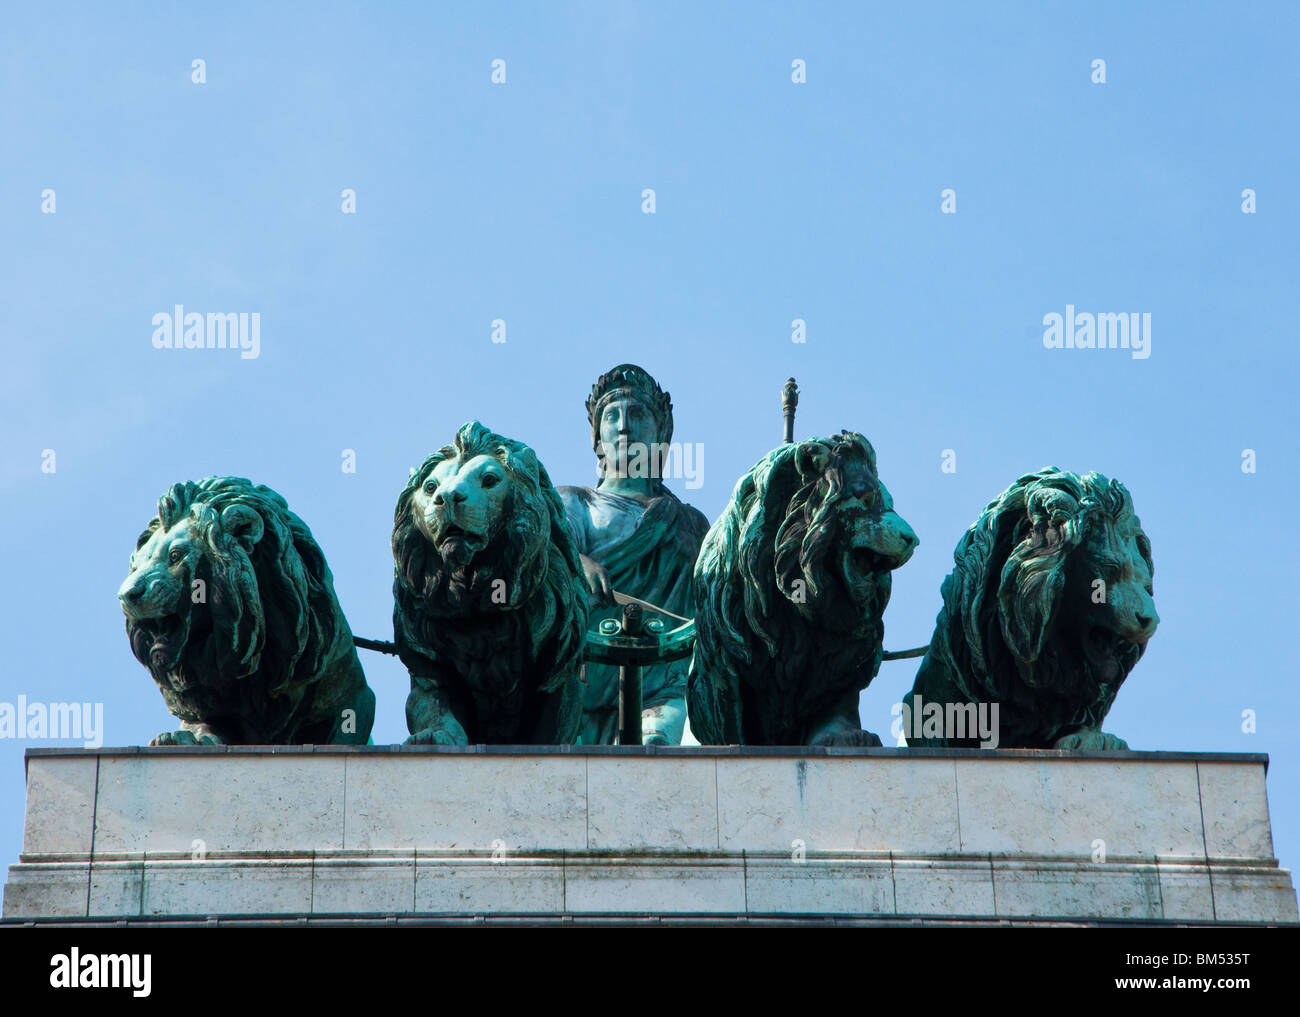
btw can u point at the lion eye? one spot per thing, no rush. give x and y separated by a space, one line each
175 557
490 480
430 487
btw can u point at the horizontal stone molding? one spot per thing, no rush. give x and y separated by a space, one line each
306 830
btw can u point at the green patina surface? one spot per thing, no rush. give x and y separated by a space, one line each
636 537
490 606
791 587
230 605
1048 608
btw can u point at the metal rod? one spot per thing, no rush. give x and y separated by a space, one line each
789 403
626 598
916 651
629 684
380 645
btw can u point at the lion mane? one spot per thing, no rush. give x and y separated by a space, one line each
231 606
1022 623
496 641
791 585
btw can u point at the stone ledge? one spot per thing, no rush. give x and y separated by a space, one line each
970 888
972 834
775 751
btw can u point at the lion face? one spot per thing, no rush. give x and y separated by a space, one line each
840 538
155 595
189 553
879 539
1111 574
460 506
1075 599
473 528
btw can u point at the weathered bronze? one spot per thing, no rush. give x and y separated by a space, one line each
791 585
635 538
629 684
230 605
789 405
490 602
1048 608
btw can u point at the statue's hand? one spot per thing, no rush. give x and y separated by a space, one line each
1091 738
597 580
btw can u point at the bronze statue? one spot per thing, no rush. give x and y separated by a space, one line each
1047 609
634 537
790 586
490 605
231 607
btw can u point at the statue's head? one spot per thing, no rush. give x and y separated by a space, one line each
1050 602
631 422
226 582
479 510
1075 599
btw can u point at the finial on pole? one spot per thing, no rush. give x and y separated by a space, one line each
789 402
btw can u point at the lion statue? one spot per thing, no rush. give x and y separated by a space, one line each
231 607
790 587
490 612
1046 611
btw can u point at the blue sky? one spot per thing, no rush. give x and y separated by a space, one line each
774 201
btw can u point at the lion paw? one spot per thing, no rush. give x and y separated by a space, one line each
1091 738
436 736
848 738
185 738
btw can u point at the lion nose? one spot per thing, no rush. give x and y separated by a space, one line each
1143 625
896 539
457 496
1147 625
131 592
906 536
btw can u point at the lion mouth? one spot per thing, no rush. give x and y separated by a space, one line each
1111 655
164 641
867 561
864 569
458 546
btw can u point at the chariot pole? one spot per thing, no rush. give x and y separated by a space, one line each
629 683
789 403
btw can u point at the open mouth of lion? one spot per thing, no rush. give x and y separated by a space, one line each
167 637
867 561
1111 655
864 570
457 546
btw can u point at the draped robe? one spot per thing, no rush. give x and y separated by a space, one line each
648 547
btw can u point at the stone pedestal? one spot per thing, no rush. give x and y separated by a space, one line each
1004 835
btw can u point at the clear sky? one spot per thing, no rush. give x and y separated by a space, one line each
522 201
